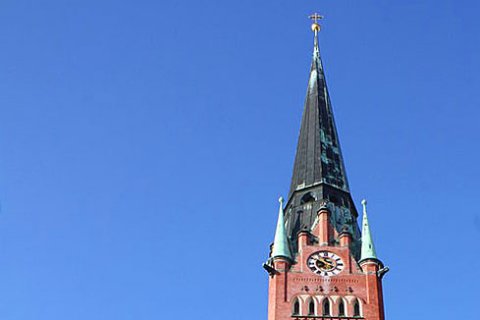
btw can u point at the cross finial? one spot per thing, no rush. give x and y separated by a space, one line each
315 17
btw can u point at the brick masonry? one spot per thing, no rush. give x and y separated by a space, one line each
295 281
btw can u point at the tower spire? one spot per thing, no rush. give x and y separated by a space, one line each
318 159
318 250
319 174
368 249
281 246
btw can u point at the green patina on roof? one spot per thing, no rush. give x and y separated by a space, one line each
281 247
368 249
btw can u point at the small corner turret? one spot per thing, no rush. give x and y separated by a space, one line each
281 256
368 257
368 248
281 246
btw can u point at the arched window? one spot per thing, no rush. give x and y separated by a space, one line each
296 307
341 308
356 309
308 197
326 307
311 308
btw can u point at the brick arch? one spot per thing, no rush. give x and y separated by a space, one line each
299 300
339 301
336 299
351 299
307 307
360 307
322 305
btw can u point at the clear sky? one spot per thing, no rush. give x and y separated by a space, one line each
144 144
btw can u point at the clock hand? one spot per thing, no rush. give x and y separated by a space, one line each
325 263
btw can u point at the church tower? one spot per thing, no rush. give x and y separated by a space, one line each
321 266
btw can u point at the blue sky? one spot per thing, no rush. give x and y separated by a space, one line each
144 144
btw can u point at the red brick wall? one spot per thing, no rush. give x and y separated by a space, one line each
298 281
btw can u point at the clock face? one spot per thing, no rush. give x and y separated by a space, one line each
325 263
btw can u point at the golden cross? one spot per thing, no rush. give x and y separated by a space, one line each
315 17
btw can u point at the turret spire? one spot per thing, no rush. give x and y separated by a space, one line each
368 249
281 246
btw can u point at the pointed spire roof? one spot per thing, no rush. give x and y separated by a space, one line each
368 249
319 174
318 159
281 247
